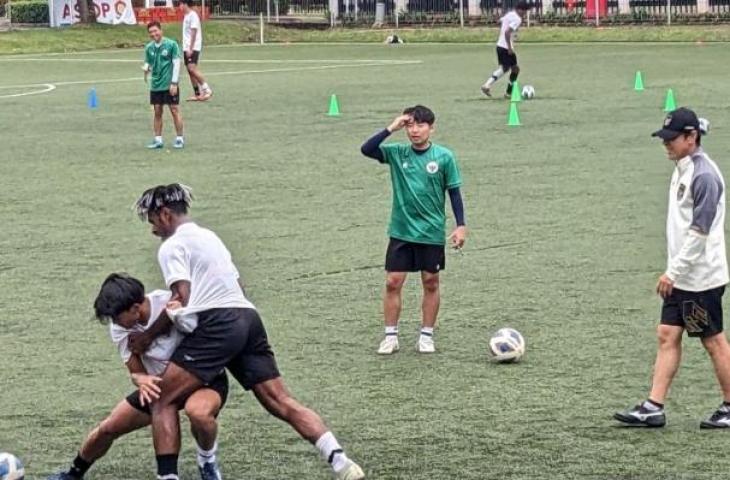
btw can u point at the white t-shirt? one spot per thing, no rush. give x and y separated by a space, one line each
197 255
157 357
511 21
696 214
192 21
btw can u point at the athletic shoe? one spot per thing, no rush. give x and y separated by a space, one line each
642 417
508 95
719 419
210 471
179 143
389 345
206 96
156 145
425 344
351 472
486 90
61 476
193 98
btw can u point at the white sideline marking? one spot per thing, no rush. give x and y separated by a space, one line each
282 61
48 87
52 86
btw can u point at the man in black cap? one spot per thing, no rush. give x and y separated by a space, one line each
694 281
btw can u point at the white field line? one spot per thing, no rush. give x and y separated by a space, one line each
210 74
44 88
264 61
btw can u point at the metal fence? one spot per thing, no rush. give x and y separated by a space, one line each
474 12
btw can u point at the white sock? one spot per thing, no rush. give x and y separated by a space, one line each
158 139
207 456
205 87
391 331
332 452
495 76
427 332
651 406
180 138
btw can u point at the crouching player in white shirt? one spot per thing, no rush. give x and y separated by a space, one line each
123 303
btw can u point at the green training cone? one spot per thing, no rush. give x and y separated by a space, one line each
638 82
513 120
670 104
334 107
516 93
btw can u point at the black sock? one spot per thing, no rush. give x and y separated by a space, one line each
196 89
656 404
512 80
79 467
167 466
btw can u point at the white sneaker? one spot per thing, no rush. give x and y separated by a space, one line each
351 472
425 344
486 90
389 345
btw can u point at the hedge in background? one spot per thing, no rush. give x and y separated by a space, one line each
29 12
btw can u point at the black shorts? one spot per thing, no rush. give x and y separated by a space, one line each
164 98
700 313
505 59
405 256
228 338
219 385
194 58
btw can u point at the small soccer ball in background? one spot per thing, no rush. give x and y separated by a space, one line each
528 92
704 126
507 345
10 467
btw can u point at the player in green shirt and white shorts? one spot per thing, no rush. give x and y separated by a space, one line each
421 173
162 60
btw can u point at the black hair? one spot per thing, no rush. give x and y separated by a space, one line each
523 6
176 197
154 23
421 114
118 293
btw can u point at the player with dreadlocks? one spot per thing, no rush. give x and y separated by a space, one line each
225 331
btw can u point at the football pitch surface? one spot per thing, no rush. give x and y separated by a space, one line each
566 216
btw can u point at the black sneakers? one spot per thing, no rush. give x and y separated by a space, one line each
640 416
719 419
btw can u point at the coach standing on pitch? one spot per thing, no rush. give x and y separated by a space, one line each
697 271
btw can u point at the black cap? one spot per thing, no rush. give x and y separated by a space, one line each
681 120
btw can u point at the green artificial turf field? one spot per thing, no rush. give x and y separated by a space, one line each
566 217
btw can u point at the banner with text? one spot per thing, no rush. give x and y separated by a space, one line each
112 12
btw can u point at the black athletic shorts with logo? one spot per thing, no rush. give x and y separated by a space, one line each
219 385
505 59
164 98
194 58
405 256
228 338
700 313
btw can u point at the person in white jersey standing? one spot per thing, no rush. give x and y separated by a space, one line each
506 56
225 331
697 272
192 34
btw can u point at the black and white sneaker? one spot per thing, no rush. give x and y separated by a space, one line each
719 419
640 416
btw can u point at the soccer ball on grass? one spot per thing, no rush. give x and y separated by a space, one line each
10 467
528 92
507 345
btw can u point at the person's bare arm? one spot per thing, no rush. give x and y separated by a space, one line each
149 390
139 342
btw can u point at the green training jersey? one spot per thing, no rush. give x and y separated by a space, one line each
160 58
420 182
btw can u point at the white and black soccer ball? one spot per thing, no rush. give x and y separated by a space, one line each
11 467
528 92
507 345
